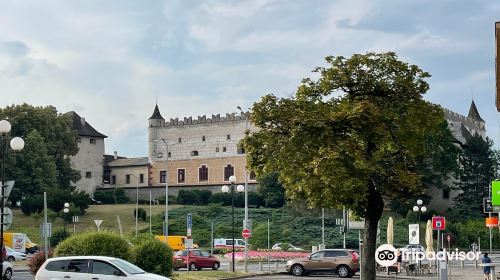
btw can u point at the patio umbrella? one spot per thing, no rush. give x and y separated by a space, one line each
390 231
428 237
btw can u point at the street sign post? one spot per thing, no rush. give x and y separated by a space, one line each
413 234
487 205
98 223
246 233
495 193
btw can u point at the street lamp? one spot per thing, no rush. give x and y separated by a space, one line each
16 144
225 189
66 211
166 185
245 222
419 208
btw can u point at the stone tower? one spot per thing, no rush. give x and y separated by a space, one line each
480 127
156 121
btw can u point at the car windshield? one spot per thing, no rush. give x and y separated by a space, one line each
181 253
127 267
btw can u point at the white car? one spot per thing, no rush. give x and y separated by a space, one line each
13 255
92 267
8 271
277 247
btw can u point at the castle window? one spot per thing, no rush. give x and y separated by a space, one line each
203 173
113 180
217 149
228 137
78 140
88 174
141 178
224 149
203 138
160 155
253 177
194 153
92 141
169 154
163 175
181 175
127 179
228 172
180 140
446 194
241 151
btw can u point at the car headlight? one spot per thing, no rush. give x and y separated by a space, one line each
288 262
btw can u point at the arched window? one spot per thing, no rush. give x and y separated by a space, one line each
203 173
228 172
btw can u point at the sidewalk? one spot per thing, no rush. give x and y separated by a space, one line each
457 273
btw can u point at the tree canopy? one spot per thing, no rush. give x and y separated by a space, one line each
357 136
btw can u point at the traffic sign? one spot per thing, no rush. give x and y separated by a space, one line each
46 229
98 223
8 188
487 205
246 233
189 223
189 243
438 223
495 193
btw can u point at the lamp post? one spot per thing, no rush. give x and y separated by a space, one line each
419 208
225 189
66 211
166 186
16 144
245 222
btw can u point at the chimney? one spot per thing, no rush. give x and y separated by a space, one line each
83 121
115 155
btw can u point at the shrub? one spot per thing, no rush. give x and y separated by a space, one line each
202 196
220 198
32 204
154 256
58 236
37 260
185 197
94 244
142 214
106 197
121 197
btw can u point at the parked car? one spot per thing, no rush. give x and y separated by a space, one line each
8 271
412 248
13 255
95 267
343 262
198 259
228 243
278 247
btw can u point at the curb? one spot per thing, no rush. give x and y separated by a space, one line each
404 277
252 275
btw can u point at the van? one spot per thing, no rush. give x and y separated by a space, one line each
176 242
228 243
20 242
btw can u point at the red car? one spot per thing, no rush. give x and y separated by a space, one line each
197 260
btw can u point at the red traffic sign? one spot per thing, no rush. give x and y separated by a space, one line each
438 223
246 233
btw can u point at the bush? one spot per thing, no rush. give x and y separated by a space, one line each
32 204
37 260
185 197
154 256
220 198
58 236
121 197
94 244
142 214
106 197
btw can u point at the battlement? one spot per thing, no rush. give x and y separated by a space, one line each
468 122
203 119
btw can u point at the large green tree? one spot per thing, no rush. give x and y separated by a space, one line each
44 163
358 136
479 164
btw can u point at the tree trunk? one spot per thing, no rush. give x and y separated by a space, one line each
372 217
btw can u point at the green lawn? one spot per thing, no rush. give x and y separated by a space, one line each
107 213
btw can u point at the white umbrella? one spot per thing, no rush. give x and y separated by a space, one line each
428 237
390 231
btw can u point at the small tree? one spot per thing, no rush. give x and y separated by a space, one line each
154 256
94 244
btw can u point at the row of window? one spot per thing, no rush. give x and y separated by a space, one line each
127 179
196 153
203 138
91 140
202 174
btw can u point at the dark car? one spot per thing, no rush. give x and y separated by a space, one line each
343 262
197 260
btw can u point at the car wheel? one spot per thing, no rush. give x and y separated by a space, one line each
8 274
192 266
215 266
343 271
11 259
297 270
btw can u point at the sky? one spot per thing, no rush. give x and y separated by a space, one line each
111 61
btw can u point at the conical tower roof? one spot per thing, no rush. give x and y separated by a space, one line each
473 113
156 114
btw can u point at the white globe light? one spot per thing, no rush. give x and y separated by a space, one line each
232 179
66 210
4 126
17 143
240 188
225 189
420 202
423 209
66 204
415 208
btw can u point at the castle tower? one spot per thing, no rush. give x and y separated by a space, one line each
156 121
474 116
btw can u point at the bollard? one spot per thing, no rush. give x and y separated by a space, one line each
230 266
461 264
475 264
276 266
260 267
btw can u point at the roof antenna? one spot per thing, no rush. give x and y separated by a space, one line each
472 93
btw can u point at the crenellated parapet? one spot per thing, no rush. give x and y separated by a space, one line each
203 119
468 122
